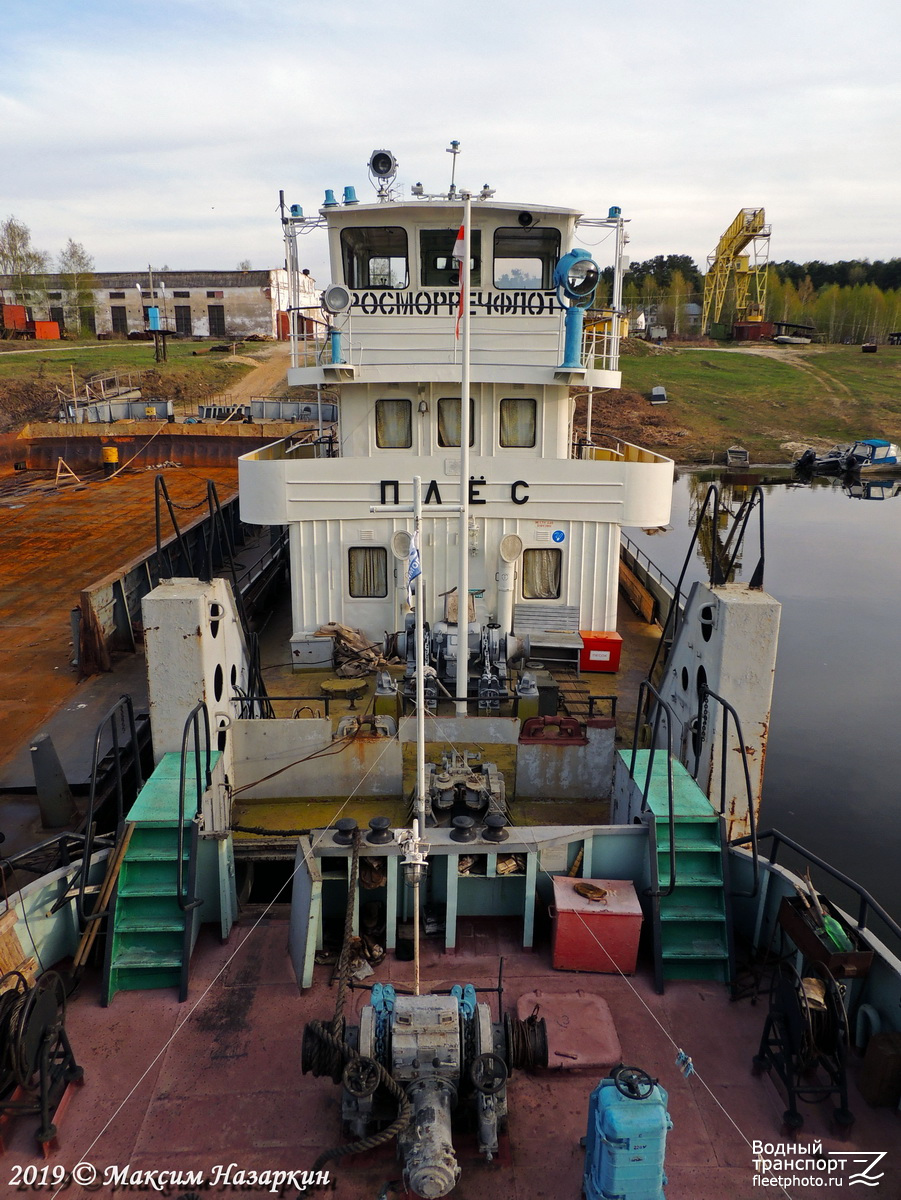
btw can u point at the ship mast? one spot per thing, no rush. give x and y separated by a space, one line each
463 535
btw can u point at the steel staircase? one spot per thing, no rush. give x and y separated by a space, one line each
155 908
688 883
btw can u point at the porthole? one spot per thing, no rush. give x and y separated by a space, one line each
684 678
218 681
707 622
216 614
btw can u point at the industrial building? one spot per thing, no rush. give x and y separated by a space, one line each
216 304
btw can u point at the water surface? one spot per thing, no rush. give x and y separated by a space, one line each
833 770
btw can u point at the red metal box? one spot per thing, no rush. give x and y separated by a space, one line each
600 650
592 936
46 331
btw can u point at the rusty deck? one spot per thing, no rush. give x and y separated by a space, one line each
55 541
215 1081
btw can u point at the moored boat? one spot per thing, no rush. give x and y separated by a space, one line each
461 812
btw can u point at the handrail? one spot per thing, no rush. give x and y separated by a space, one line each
191 727
662 707
160 491
740 523
124 703
718 575
705 692
867 903
626 543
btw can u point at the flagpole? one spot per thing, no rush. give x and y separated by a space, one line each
463 535
420 663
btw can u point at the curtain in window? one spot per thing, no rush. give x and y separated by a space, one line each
394 424
517 422
368 570
449 421
541 573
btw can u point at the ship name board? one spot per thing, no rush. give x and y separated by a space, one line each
438 303
389 491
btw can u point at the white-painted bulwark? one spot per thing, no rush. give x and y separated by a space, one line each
195 651
727 640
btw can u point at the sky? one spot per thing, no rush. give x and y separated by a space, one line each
161 131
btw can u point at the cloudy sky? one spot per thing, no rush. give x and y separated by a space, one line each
160 131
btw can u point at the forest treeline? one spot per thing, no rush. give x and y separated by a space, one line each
848 301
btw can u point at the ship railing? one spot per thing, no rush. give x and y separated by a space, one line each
723 558
615 451
729 712
646 694
62 850
312 445
867 905
308 332
202 783
599 344
647 564
122 713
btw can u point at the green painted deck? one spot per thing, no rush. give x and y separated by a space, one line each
691 931
151 937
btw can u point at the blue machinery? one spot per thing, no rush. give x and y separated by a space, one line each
626 1139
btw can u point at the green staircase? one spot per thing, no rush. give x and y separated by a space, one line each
692 928
151 936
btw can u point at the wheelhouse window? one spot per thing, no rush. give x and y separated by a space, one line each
525 258
542 571
367 569
394 424
375 258
437 266
518 419
449 421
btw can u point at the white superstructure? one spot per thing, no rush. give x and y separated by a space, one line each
393 361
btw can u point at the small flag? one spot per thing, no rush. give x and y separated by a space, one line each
414 570
457 256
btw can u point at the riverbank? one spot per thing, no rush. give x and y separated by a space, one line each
769 399
772 400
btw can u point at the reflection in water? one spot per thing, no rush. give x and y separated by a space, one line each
834 757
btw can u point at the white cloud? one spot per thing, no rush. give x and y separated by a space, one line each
166 133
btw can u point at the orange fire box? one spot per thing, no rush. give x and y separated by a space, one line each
600 650
595 936
46 331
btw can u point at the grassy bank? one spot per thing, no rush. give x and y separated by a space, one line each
767 399
30 374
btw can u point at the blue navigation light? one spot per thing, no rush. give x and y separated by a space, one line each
329 201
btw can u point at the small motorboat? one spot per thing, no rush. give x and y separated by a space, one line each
849 457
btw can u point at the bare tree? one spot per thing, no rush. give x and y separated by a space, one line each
76 271
21 260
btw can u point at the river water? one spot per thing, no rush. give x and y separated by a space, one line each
833 768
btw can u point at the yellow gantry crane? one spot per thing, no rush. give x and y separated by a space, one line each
741 258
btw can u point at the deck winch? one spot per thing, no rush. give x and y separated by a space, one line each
462 787
452 1063
488 651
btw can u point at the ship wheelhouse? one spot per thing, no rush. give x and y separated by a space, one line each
391 357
